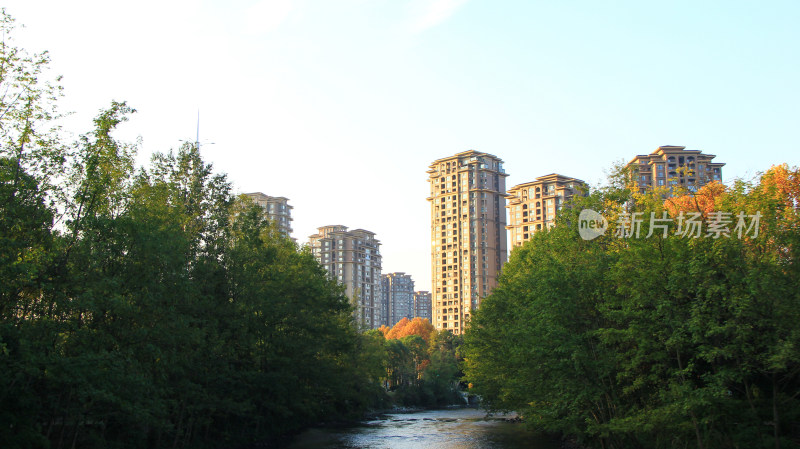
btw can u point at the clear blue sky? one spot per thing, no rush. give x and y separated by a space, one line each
342 105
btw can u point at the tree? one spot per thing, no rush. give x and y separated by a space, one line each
704 201
29 138
150 308
653 341
405 327
26 244
397 329
442 374
165 313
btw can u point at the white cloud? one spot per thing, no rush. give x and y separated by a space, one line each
433 12
266 15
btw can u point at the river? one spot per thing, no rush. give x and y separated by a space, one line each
460 428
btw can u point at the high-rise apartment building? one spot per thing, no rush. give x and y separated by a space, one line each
353 258
468 235
422 305
398 297
532 206
279 212
674 166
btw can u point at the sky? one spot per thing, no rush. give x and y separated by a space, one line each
342 105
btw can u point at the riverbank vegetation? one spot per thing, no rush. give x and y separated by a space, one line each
149 307
160 311
422 364
655 340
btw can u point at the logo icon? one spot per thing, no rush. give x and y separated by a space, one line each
591 224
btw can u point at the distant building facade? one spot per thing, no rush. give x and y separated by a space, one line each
279 212
674 166
532 206
398 297
422 305
353 258
468 235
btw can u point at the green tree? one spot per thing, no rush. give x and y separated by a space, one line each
165 313
25 248
442 373
652 341
28 108
30 155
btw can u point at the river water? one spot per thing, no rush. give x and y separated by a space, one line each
461 428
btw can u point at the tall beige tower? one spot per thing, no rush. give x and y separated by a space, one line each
422 304
353 258
468 234
532 206
674 166
279 212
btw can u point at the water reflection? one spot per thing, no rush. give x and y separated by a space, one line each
435 429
